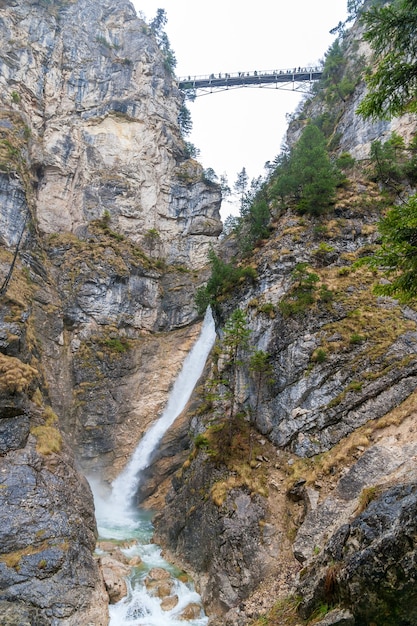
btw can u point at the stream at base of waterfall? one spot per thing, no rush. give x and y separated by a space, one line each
131 529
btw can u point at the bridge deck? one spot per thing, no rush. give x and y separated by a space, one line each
240 79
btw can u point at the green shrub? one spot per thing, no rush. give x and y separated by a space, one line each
225 277
388 160
323 254
345 161
201 441
355 385
103 41
325 294
117 344
302 294
398 252
319 356
356 339
267 308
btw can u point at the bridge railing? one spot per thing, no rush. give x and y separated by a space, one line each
277 74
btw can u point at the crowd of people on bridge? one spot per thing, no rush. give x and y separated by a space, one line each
295 70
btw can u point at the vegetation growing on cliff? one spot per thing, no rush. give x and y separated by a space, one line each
311 252
157 28
301 295
15 376
229 437
225 277
392 84
309 176
339 80
398 252
105 250
392 91
48 437
393 163
304 177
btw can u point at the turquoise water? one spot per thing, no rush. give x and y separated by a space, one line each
140 608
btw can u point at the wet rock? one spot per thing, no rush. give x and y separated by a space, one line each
169 602
114 574
191 611
113 551
157 573
160 583
164 589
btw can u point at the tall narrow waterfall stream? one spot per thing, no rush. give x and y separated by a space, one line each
118 519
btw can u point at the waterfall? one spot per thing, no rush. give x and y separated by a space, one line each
118 520
125 485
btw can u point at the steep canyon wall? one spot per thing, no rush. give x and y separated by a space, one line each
99 315
319 477
112 223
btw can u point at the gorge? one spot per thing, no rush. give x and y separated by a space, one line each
118 518
286 484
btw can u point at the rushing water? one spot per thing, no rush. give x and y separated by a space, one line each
118 519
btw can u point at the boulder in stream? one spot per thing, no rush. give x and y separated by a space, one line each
114 574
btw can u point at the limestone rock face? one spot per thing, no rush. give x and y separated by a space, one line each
111 220
89 82
355 134
388 461
92 157
223 544
48 530
99 316
313 403
372 562
12 218
18 613
338 409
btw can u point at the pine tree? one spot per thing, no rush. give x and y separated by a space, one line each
391 32
235 342
261 370
241 185
313 174
398 253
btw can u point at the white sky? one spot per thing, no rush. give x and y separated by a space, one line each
244 127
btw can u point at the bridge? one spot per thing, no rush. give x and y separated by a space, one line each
297 78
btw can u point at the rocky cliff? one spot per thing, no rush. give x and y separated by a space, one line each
104 224
117 217
319 473
333 430
98 114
